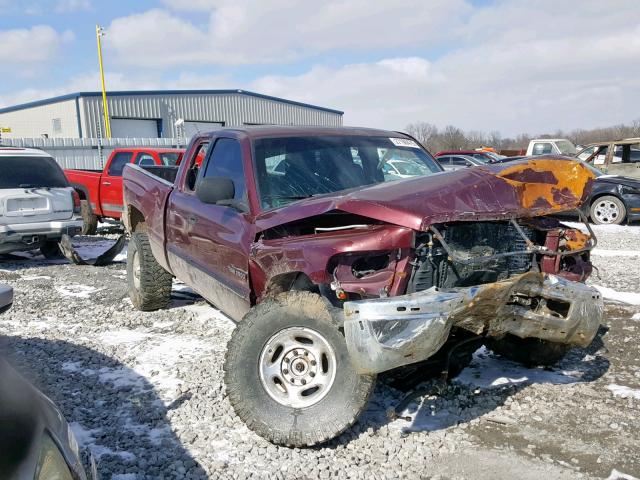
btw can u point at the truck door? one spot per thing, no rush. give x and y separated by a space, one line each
208 245
625 161
111 184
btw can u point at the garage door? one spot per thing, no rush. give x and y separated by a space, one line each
193 128
134 128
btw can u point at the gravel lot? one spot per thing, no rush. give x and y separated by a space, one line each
144 391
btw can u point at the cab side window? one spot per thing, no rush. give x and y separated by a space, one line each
542 148
226 161
195 163
118 162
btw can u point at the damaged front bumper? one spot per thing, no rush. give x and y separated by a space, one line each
386 333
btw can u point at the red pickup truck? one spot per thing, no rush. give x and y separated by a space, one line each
336 273
101 191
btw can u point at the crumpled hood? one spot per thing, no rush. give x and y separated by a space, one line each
518 189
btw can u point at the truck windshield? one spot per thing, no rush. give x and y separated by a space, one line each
566 147
292 168
31 172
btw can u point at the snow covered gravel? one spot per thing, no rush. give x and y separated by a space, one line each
144 392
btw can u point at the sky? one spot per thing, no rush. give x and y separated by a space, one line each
516 66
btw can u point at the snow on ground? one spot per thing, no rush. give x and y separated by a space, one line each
624 392
616 475
75 290
631 298
600 252
489 370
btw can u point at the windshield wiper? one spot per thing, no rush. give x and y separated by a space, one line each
287 197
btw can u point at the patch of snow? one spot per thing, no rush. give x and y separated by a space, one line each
604 228
624 391
489 370
156 435
75 290
121 377
636 316
35 277
71 366
615 253
122 337
632 298
616 475
85 438
205 313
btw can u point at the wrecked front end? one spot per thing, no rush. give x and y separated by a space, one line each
405 287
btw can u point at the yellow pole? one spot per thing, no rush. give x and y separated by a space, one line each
107 125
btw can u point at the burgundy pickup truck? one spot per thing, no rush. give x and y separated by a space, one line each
335 273
101 190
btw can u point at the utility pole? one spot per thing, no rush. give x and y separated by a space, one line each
105 107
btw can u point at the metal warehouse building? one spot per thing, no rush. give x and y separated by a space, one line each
154 114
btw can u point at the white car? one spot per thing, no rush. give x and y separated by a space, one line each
37 205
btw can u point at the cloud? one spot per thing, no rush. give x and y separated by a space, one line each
278 31
23 52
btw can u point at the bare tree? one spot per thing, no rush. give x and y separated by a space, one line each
453 138
424 132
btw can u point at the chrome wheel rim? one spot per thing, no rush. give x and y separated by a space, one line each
297 367
136 270
606 211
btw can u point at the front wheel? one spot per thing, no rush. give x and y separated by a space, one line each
608 210
288 373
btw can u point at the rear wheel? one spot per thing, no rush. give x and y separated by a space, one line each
149 283
288 373
528 351
608 210
89 220
51 250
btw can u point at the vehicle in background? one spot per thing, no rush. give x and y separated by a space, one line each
37 204
614 199
619 157
456 162
336 273
551 146
101 190
36 441
487 157
403 168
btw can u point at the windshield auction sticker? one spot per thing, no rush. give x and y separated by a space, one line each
404 142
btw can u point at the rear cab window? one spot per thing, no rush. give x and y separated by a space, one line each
31 172
118 162
226 161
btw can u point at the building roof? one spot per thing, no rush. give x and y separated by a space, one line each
129 93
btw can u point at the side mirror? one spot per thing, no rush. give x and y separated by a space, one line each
215 189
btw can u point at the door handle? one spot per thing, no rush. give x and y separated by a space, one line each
106 183
192 220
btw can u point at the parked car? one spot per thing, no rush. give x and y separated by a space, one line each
37 204
619 157
101 190
613 199
551 146
456 162
35 439
336 274
486 157
403 168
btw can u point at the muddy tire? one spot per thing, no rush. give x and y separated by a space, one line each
51 250
149 284
607 210
89 220
288 374
528 351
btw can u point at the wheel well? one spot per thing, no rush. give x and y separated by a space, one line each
82 193
136 220
285 282
605 194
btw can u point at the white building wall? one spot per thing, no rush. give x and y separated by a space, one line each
56 120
